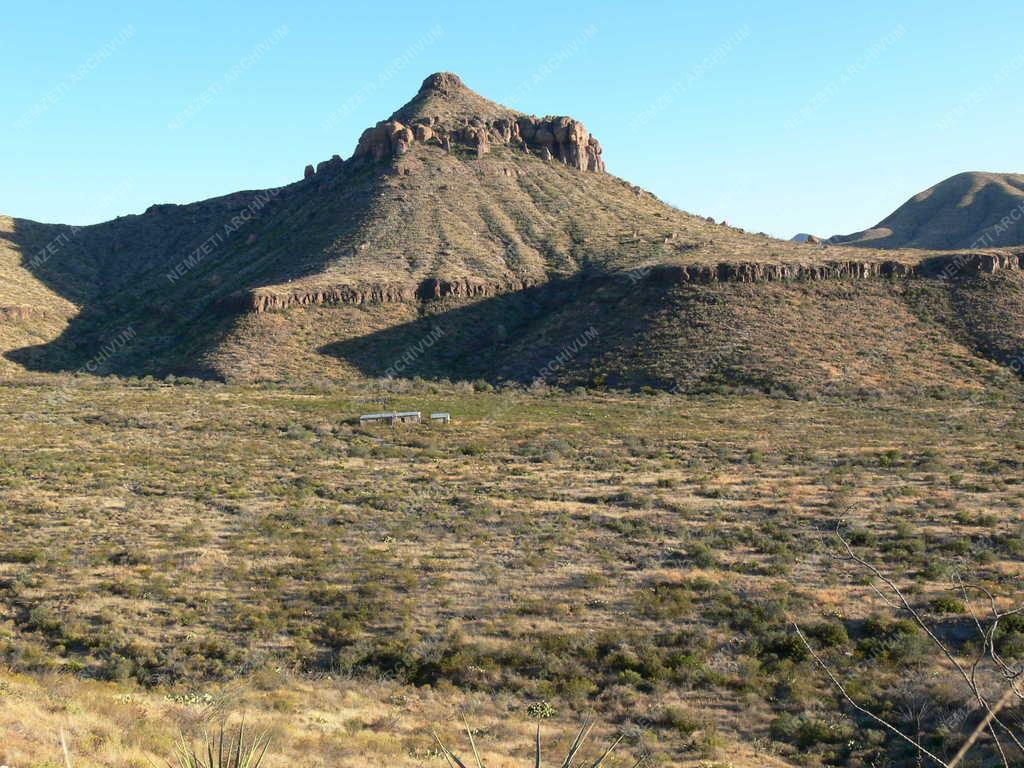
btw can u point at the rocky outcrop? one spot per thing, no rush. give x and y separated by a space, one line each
270 300
447 83
551 138
762 272
563 138
968 262
329 166
434 289
477 128
386 139
757 272
324 168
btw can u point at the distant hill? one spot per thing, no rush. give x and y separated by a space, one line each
969 210
803 237
465 240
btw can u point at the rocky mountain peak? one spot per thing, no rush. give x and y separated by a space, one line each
446 113
442 82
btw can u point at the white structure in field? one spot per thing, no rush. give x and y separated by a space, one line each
404 417
394 417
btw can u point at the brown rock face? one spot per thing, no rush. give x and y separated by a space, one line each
330 166
309 173
551 138
559 138
443 82
949 267
957 264
381 141
401 137
594 151
433 289
260 301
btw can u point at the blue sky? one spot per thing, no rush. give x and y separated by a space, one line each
779 117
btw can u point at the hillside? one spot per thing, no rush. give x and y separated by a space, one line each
500 237
969 210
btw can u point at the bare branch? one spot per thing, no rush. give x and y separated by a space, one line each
905 605
985 724
863 710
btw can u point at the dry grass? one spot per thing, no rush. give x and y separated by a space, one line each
633 555
310 723
315 723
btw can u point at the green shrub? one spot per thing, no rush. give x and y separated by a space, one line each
1010 637
702 555
682 720
806 732
947 605
829 633
784 645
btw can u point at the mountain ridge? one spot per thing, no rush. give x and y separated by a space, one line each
973 209
462 212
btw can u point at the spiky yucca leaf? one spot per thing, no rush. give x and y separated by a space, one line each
454 761
223 751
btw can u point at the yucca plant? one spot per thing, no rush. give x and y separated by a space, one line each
223 751
454 761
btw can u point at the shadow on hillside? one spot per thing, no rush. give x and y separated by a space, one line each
166 277
144 324
552 332
120 325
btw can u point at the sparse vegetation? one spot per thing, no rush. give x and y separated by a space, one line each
175 542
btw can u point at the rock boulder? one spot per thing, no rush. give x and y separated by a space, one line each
553 138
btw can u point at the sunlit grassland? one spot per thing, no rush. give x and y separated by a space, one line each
639 556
